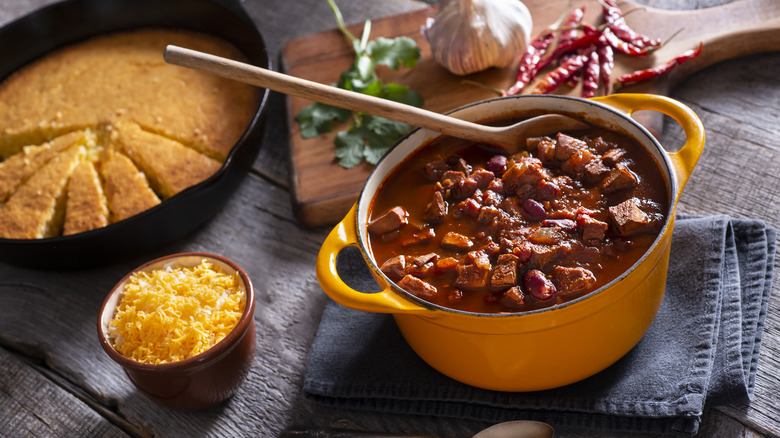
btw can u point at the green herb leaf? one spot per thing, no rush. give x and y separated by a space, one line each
350 145
317 118
394 53
369 137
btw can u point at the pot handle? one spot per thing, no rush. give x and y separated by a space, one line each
343 235
684 160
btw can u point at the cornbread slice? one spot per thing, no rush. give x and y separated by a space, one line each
86 207
17 169
170 166
36 209
127 190
124 74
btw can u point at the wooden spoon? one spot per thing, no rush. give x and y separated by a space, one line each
509 139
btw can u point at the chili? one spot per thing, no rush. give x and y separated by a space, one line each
526 71
663 69
617 24
462 228
591 75
555 78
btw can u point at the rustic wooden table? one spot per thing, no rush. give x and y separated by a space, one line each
56 381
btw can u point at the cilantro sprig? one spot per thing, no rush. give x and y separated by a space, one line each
368 137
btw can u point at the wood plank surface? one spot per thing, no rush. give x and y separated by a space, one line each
323 191
55 380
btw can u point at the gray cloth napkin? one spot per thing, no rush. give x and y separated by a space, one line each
701 350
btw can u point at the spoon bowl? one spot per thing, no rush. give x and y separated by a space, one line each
508 139
518 429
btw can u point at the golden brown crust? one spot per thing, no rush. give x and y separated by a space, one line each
85 84
17 169
35 210
170 166
127 190
86 208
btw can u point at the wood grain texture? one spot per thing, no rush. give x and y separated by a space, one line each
67 387
323 191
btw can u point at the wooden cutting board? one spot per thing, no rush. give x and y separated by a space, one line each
323 192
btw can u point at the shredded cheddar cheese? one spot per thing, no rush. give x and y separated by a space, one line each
171 314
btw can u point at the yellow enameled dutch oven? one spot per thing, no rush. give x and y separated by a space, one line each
545 348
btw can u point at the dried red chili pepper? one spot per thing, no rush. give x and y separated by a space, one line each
607 61
650 73
590 76
587 40
558 76
623 46
570 32
526 71
617 24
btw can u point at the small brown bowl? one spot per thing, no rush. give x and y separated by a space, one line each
200 381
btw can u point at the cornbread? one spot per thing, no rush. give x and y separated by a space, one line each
18 168
86 207
127 190
170 166
35 210
167 127
171 314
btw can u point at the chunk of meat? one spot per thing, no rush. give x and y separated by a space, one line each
450 178
569 281
629 218
514 296
613 156
578 162
482 177
421 265
618 178
542 256
446 265
593 230
418 287
434 169
392 220
436 209
567 146
505 272
456 241
473 271
595 170
488 214
394 267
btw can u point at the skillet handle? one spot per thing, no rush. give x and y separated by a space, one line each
684 160
386 301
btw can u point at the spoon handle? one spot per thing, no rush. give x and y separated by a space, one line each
327 94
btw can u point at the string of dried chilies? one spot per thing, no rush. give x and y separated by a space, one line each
586 52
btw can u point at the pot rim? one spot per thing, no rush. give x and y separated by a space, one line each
659 153
194 363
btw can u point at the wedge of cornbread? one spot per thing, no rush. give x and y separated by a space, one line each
170 166
86 207
127 189
36 209
18 168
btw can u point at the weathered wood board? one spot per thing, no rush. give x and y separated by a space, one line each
322 191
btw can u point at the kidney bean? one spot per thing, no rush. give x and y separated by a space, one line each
496 164
564 224
538 286
535 209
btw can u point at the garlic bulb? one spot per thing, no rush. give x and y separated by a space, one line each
468 36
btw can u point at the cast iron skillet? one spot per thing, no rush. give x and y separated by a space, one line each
70 21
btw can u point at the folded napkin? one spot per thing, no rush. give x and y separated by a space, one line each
701 350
